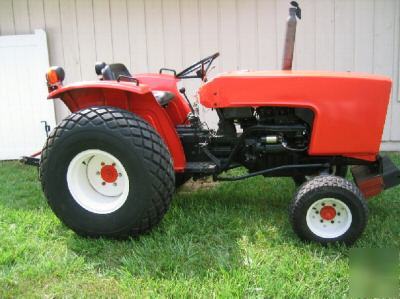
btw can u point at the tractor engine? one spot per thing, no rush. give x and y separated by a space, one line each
271 136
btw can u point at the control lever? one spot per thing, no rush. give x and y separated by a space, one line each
183 91
192 116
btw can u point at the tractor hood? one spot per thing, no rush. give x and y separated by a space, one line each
349 108
258 88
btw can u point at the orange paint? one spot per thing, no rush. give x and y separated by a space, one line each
349 108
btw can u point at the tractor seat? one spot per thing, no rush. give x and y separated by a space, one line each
163 97
113 71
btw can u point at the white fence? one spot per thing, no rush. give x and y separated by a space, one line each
24 109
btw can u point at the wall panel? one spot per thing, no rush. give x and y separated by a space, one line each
7 21
355 35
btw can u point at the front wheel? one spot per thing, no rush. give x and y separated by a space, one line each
106 172
329 209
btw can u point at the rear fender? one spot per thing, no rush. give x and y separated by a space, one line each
127 96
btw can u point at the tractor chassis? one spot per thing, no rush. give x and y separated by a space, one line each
212 155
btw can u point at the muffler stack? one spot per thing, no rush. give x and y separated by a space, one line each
294 13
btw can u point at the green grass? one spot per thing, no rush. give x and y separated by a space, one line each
233 240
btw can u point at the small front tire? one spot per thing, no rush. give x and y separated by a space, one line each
329 209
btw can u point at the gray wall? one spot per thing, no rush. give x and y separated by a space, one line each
356 35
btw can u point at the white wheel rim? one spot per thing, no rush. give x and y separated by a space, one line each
98 181
329 218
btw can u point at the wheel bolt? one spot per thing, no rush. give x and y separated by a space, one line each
334 205
98 172
102 163
316 212
338 213
321 220
332 221
113 164
115 184
103 183
323 204
120 174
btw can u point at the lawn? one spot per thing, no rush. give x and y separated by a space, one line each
231 240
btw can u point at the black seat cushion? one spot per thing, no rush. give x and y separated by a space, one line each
99 66
113 71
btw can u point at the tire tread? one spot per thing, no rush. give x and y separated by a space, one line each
145 139
324 182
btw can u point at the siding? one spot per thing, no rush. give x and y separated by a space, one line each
356 35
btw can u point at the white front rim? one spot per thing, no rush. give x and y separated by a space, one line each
98 181
329 218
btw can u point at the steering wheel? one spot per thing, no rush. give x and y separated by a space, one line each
200 68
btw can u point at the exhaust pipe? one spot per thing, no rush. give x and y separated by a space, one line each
294 13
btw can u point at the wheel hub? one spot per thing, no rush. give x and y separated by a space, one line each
328 213
98 181
109 173
328 218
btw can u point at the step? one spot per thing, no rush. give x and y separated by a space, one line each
200 167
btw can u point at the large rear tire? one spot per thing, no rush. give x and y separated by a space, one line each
106 172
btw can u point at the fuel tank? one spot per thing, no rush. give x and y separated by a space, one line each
349 108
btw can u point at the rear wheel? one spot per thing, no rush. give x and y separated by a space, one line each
106 172
329 209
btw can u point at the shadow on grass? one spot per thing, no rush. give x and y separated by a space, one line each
204 232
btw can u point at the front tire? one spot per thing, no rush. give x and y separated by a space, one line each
106 172
329 209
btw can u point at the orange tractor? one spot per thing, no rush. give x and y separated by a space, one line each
111 167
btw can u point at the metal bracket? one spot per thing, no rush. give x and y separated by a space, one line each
46 127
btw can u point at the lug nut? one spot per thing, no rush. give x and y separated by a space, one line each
332 221
120 174
321 220
98 172
102 163
113 164
115 184
103 183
